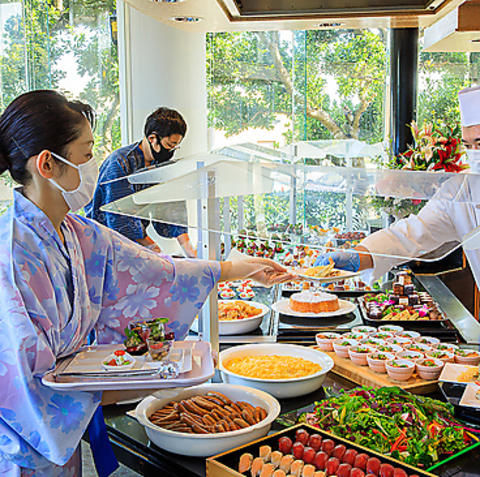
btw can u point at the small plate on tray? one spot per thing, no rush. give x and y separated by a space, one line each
471 396
459 374
283 307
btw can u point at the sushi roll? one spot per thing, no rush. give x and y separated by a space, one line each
286 463
265 452
245 463
275 458
297 467
256 467
267 470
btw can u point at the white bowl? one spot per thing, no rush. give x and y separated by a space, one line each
280 388
341 349
408 334
378 365
204 445
364 329
325 340
391 328
428 340
429 372
239 327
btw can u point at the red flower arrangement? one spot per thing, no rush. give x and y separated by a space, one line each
434 150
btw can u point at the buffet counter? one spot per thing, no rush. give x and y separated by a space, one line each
134 449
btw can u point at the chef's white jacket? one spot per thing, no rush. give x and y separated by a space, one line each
451 214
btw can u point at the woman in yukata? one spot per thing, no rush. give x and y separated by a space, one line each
63 275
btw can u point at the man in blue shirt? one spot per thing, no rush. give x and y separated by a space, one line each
164 131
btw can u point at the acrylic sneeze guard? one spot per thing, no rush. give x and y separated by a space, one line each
181 186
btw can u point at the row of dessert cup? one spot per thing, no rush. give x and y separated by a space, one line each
369 353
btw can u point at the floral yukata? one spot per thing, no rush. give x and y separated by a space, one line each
51 296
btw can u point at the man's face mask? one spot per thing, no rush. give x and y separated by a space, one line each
163 155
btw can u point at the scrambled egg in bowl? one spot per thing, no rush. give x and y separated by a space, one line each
272 367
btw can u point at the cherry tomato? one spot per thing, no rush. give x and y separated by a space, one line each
119 352
302 436
315 442
285 445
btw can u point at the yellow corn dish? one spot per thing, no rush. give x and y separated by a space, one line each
272 367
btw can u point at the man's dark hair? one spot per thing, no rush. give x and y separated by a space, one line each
165 122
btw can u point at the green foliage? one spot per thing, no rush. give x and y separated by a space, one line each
254 76
38 37
444 75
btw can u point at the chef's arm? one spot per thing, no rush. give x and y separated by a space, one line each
366 260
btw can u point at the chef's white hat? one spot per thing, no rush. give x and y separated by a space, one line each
469 99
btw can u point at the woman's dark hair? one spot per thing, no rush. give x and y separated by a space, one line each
165 122
36 121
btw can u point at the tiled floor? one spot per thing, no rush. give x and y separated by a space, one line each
89 466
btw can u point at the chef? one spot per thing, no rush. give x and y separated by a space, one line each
448 217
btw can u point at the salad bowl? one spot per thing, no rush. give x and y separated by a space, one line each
400 369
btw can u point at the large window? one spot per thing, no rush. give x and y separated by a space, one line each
297 85
68 46
277 88
441 77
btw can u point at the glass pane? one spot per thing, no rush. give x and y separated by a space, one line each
441 76
267 185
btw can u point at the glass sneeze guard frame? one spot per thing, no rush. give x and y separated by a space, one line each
177 189
169 201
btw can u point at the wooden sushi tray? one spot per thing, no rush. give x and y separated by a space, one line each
364 376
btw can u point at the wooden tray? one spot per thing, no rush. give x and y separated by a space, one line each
366 377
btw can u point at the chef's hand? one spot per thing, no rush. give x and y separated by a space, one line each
261 270
349 260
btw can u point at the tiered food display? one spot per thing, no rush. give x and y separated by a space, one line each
402 303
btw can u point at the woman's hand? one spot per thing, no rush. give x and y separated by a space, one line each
262 270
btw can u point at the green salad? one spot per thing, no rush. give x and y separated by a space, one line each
389 420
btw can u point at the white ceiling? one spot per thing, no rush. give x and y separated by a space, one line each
219 15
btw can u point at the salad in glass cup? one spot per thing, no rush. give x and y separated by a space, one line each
139 332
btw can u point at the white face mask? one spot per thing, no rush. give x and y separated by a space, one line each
473 156
83 194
